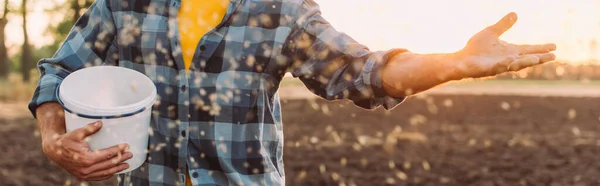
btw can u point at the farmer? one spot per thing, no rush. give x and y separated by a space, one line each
217 65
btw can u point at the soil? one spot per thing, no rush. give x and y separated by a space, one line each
428 140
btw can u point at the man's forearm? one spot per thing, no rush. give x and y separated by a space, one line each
51 120
413 73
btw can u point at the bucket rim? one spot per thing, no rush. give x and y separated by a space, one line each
111 111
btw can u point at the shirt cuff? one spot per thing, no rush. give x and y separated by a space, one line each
45 92
372 78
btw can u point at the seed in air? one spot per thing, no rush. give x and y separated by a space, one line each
329 128
426 166
343 161
133 87
560 71
487 143
505 106
445 180
325 110
322 168
301 175
448 103
409 92
150 132
572 113
314 140
364 162
314 105
406 165
392 164
429 100
417 119
421 96
335 176
390 181
432 108
401 175
576 131
356 147
472 142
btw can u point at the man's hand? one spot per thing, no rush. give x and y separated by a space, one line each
70 150
484 55
72 153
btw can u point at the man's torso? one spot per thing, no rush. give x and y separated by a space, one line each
222 118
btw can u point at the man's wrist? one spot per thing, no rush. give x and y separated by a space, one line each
453 65
51 121
50 135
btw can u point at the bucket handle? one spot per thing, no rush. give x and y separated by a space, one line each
92 116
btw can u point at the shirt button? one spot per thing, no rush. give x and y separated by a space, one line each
202 47
183 88
195 175
183 133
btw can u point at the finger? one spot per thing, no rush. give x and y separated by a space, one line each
108 172
502 66
106 164
106 154
533 49
523 62
504 24
83 132
544 58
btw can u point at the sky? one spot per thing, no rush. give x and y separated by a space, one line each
427 26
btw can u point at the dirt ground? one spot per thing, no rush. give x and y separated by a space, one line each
435 140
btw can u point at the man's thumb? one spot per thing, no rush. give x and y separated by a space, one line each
88 130
504 24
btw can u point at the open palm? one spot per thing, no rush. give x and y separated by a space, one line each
486 55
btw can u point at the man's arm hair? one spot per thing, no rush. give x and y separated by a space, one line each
50 120
415 73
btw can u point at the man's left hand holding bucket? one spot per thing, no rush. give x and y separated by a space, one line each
70 150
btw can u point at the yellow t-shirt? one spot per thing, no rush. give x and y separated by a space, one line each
196 18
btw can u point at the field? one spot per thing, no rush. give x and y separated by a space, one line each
437 139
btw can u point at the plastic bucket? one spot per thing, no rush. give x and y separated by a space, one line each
121 98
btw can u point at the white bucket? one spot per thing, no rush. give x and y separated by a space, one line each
121 98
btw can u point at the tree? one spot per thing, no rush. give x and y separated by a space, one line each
59 31
4 63
78 6
26 63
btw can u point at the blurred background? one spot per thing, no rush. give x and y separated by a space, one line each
539 126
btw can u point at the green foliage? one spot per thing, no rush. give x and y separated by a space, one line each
41 52
60 30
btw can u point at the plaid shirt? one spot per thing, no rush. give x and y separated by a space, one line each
221 121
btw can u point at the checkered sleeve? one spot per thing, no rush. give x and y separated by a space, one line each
333 65
86 45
